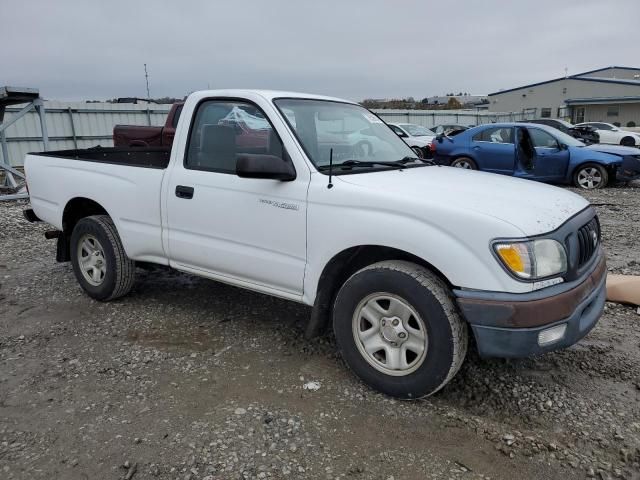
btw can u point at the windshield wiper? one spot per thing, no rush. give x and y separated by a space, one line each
413 159
349 164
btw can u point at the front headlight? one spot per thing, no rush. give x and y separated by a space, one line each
533 259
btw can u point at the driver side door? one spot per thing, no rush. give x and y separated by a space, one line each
551 161
244 231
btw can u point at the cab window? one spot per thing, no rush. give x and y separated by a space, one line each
222 130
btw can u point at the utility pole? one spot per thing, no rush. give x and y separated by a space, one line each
146 78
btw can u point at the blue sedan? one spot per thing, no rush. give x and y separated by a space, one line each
532 151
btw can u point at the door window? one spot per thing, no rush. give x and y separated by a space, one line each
579 115
542 139
495 135
222 130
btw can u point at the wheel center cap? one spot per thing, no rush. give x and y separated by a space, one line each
392 330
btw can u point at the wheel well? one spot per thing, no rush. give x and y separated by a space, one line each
610 168
341 267
627 137
75 210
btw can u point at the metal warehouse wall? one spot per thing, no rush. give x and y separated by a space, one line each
76 125
430 118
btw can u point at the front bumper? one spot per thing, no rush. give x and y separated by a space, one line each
509 327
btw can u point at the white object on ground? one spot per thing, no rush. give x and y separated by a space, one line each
313 386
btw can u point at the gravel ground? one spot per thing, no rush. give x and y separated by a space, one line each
191 379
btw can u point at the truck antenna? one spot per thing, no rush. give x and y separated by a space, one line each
146 79
330 168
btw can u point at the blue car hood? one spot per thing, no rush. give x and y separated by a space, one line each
615 149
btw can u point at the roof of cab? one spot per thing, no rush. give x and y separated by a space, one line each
269 94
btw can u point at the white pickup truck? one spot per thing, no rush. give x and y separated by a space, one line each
316 200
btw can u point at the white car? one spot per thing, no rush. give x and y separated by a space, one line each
419 138
405 260
613 135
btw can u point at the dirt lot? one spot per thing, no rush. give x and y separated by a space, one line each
191 379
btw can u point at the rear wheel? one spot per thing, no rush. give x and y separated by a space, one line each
398 329
99 262
464 162
628 142
418 151
590 176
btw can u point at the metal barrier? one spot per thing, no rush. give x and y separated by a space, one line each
13 183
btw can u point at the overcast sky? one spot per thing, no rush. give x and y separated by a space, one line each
84 49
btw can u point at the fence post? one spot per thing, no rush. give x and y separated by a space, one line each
73 129
39 104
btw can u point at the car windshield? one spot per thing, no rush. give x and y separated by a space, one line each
567 139
416 130
350 132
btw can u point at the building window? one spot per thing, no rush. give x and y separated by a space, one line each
564 90
612 111
545 112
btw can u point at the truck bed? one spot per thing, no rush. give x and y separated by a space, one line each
153 157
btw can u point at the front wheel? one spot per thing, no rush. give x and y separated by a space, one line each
590 176
464 162
398 329
99 261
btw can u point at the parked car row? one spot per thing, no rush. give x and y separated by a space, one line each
537 152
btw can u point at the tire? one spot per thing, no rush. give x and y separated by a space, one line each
418 151
435 336
99 261
464 162
628 142
590 176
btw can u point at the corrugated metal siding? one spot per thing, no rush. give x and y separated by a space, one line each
626 113
430 118
93 124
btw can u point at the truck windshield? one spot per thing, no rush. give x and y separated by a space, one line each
351 132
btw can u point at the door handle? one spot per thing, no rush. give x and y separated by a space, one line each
184 192
476 147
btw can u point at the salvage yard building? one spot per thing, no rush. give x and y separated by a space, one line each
610 94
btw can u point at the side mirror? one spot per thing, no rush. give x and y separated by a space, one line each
563 146
265 167
401 134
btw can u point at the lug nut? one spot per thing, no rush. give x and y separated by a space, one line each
394 344
396 322
384 322
402 335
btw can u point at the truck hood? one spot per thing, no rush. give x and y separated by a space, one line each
533 208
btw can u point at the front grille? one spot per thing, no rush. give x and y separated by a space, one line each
588 241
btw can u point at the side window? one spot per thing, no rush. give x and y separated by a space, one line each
545 112
396 130
495 135
542 139
222 130
601 126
